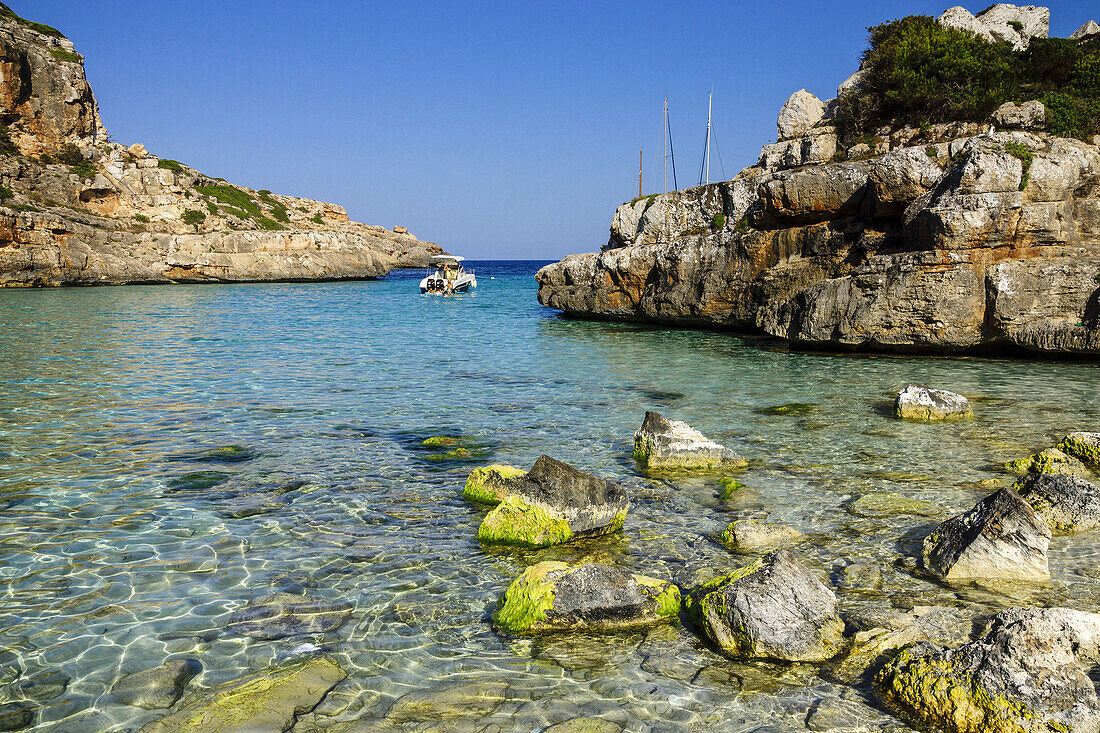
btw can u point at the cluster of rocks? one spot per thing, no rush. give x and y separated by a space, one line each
1027 671
81 209
933 239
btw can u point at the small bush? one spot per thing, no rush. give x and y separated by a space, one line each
212 207
6 12
69 154
692 232
170 165
24 207
62 55
269 224
5 194
718 221
743 226
193 217
234 197
45 159
85 169
1023 152
142 218
280 214
930 151
316 219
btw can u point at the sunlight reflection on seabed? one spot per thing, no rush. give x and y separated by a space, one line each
172 459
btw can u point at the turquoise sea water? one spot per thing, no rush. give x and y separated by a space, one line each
122 544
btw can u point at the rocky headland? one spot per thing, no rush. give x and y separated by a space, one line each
885 228
79 209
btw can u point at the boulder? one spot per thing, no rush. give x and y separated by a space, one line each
1016 24
554 596
810 195
555 503
285 614
159 687
799 113
268 702
1077 454
962 19
1067 504
754 535
921 403
661 443
851 82
818 145
490 484
772 609
901 176
137 150
1027 674
1088 29
1027 116
1000 538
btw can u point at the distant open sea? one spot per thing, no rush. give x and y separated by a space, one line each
134 419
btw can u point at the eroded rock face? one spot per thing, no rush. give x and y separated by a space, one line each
1028 673
922 248
771 609
552 504
1067 504
1027 116
122 215
1000 538
921 403
672 444
1001 22
554 596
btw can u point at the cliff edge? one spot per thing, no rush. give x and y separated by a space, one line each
942 236
78 209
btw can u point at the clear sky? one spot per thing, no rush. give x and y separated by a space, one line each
499 130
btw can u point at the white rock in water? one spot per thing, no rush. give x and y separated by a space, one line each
921 403
1027 116
663 443
800 112
1088 29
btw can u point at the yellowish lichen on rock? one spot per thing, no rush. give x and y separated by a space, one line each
486 485
528 599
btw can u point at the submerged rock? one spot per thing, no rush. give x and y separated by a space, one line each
285 614
1000 538
16 716
267 702
731 487
489 484
662 443
921 403
159 687
754 535
1068 504
771 609
554 596
555 503
886 504
449 701
1027 674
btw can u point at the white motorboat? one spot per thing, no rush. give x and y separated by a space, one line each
447 276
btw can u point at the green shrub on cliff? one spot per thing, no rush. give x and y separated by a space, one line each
171 165
5 194
8 14
232 196
919 72
62 55
193 217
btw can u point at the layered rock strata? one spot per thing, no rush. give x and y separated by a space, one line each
79 209
954 237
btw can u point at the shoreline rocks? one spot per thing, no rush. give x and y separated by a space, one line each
1028 673
921 403
1001 538
552 504
1067 504
489 484
772 609
671 444
1077 454
554 596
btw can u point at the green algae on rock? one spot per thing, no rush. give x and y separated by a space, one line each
730 488
269 701
771 609
489 484
792 408
1027 674
671 444
1077 454
885 504
556 596
552 504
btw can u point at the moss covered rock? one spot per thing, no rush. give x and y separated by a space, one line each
771 609
1077 454
1027 674
269 701
729 487
553 504
489 484
555 596
670 444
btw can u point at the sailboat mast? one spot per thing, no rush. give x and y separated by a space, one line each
664 129
640 164
710 106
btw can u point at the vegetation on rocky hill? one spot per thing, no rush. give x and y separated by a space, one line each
919 72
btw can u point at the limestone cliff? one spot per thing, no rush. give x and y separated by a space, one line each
76 208
945 238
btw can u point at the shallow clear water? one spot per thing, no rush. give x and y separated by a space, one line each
116 552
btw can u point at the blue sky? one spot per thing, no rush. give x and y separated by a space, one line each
500 130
